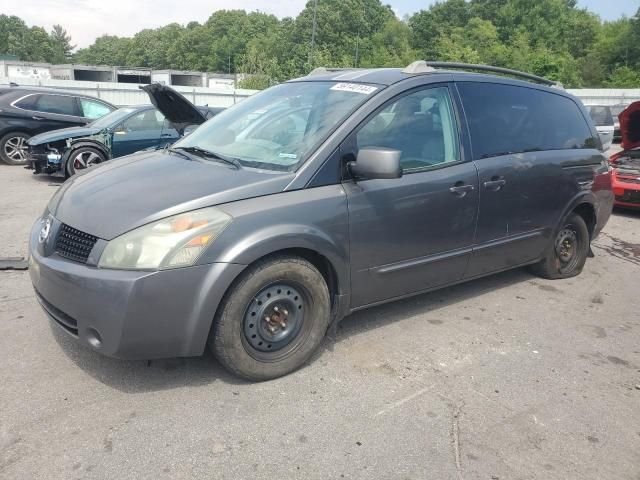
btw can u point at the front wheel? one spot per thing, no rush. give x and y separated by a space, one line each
83 157
13 148
567 255
272 319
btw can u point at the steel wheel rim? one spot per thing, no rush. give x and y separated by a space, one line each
85 160
567 248
274 321
14 148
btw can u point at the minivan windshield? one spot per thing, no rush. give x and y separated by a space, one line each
279 128
112 118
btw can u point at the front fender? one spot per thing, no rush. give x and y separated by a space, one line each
274 238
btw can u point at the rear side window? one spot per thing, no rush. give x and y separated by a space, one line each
60 104
505 119
92 109
28 102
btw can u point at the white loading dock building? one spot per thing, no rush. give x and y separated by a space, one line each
85 73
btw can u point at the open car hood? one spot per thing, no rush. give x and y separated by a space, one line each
174 106
630 126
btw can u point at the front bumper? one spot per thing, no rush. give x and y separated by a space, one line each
130 314
626 190
41 162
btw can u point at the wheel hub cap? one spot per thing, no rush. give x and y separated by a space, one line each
274 317
566 245
85 160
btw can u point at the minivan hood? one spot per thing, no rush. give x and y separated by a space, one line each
173 105
131 191
630 126
62 134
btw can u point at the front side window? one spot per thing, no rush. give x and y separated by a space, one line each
92 109
59 104
506 119
144 121
421 125
279 128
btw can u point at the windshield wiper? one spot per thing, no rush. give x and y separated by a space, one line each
177 152
203 152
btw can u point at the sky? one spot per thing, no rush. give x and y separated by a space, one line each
85 20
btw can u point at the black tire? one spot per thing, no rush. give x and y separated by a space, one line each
264 292
568 251
12 148
81 158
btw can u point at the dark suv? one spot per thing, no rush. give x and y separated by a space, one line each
316 198
25 112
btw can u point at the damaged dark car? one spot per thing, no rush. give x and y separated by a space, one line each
122 132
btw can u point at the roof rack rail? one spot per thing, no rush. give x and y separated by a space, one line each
489 68
323 70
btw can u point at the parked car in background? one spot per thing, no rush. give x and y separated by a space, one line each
28 111
354 188
626 163
603 120
122 132
615 111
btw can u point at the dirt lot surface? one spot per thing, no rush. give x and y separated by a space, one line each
508 377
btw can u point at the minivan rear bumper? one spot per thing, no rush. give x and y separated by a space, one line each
131 314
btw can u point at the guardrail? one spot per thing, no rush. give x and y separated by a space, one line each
130 94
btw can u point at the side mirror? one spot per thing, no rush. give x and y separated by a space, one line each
119 130
377 162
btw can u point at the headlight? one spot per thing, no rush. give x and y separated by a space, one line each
172 242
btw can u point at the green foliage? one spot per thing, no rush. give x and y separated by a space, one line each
553 38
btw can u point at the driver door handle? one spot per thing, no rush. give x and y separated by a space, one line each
495 184
35 117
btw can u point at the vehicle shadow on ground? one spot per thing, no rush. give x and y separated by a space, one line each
142 376
627 213
46 179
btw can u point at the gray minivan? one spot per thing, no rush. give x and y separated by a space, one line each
316 198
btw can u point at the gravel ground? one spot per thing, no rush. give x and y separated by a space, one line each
507 377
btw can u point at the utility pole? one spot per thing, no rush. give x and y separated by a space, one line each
357 54
313 32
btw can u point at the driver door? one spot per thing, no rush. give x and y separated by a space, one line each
416 232
137 132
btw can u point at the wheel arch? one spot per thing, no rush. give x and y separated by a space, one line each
588 213
89 143
583 204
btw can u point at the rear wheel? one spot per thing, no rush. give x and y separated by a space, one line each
83 157
13 148
567 255
272 319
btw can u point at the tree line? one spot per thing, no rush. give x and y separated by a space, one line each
551 38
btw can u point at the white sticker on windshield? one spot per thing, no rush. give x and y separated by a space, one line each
288 155
355 88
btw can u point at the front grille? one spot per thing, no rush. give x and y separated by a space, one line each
74 244
629 196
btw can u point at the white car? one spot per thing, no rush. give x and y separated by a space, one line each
603 119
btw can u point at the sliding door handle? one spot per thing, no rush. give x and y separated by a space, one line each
495 184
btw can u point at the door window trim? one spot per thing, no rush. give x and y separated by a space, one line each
349 139
75 103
